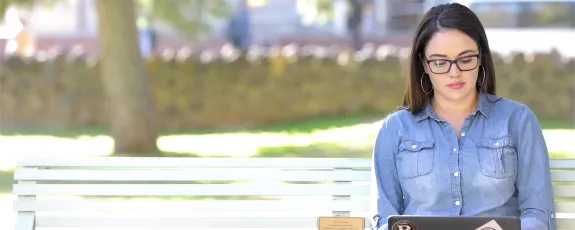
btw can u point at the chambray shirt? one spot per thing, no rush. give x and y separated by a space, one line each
499 165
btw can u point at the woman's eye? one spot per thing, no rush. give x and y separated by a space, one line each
467 60
439 63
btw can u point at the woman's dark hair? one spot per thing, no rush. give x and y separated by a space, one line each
441 17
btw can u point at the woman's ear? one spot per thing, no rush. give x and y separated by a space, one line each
425 68
424 64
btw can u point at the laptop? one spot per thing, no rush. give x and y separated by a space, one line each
411 222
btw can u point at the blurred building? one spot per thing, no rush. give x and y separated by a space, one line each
73 18
272 20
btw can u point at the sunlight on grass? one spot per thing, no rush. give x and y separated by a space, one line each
560 140
236 144
247 144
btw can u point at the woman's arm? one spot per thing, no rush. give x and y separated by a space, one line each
534 176
386 190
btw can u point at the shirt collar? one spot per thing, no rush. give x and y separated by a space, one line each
483 107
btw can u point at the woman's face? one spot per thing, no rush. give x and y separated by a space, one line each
450 82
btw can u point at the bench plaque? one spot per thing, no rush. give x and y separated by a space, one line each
341 223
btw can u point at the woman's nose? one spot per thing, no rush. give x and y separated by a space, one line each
454 71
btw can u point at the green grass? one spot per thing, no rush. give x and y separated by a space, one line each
6 181
553 123
299 126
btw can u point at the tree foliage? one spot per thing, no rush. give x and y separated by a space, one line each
188 16
191 17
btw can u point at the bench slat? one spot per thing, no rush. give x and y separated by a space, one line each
213 174
192 205
107 162
563 176
192 190
190 175
178 222
216 162
564 207
197 222
209 205
563 191
562 163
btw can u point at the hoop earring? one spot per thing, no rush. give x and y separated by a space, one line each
483 77
421 81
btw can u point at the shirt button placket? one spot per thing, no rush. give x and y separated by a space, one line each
456 180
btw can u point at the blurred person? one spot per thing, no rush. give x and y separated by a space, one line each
238 30
148 41
355 23
25 40
455 148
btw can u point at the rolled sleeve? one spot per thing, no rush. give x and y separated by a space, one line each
533 183
387 196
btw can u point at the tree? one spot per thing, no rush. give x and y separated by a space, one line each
132 111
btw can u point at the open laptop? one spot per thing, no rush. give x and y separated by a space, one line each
407 222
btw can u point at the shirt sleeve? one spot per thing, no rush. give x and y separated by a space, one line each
386 191
533 183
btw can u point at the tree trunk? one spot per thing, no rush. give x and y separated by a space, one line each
124 79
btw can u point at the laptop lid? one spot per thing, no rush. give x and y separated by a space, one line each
411 222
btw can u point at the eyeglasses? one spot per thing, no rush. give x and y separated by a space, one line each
441 66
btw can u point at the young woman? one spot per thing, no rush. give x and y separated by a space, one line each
455 148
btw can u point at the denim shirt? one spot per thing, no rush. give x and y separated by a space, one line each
499 165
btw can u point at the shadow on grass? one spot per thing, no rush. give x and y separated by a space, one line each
6 181
321 123
321 150
557 123
296 126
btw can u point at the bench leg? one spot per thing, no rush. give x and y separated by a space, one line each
26 221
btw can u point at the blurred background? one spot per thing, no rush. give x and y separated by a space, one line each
246 78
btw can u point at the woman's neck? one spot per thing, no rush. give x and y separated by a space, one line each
455 108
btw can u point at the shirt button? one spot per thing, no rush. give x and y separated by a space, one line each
462 134
496 143
414 146
454 149
456 173
457 203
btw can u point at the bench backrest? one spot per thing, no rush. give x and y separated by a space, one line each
209 192
267 193
563 177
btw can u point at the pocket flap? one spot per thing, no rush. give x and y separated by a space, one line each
415 146
496 143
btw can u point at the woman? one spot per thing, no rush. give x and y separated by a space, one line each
456 149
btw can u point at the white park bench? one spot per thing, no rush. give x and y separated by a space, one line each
141 193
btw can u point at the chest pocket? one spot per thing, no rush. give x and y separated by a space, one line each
415 158
497 157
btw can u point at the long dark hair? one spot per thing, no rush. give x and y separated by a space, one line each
441 17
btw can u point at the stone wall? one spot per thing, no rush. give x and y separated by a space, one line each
221 89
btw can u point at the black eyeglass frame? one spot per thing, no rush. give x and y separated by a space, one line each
451 62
